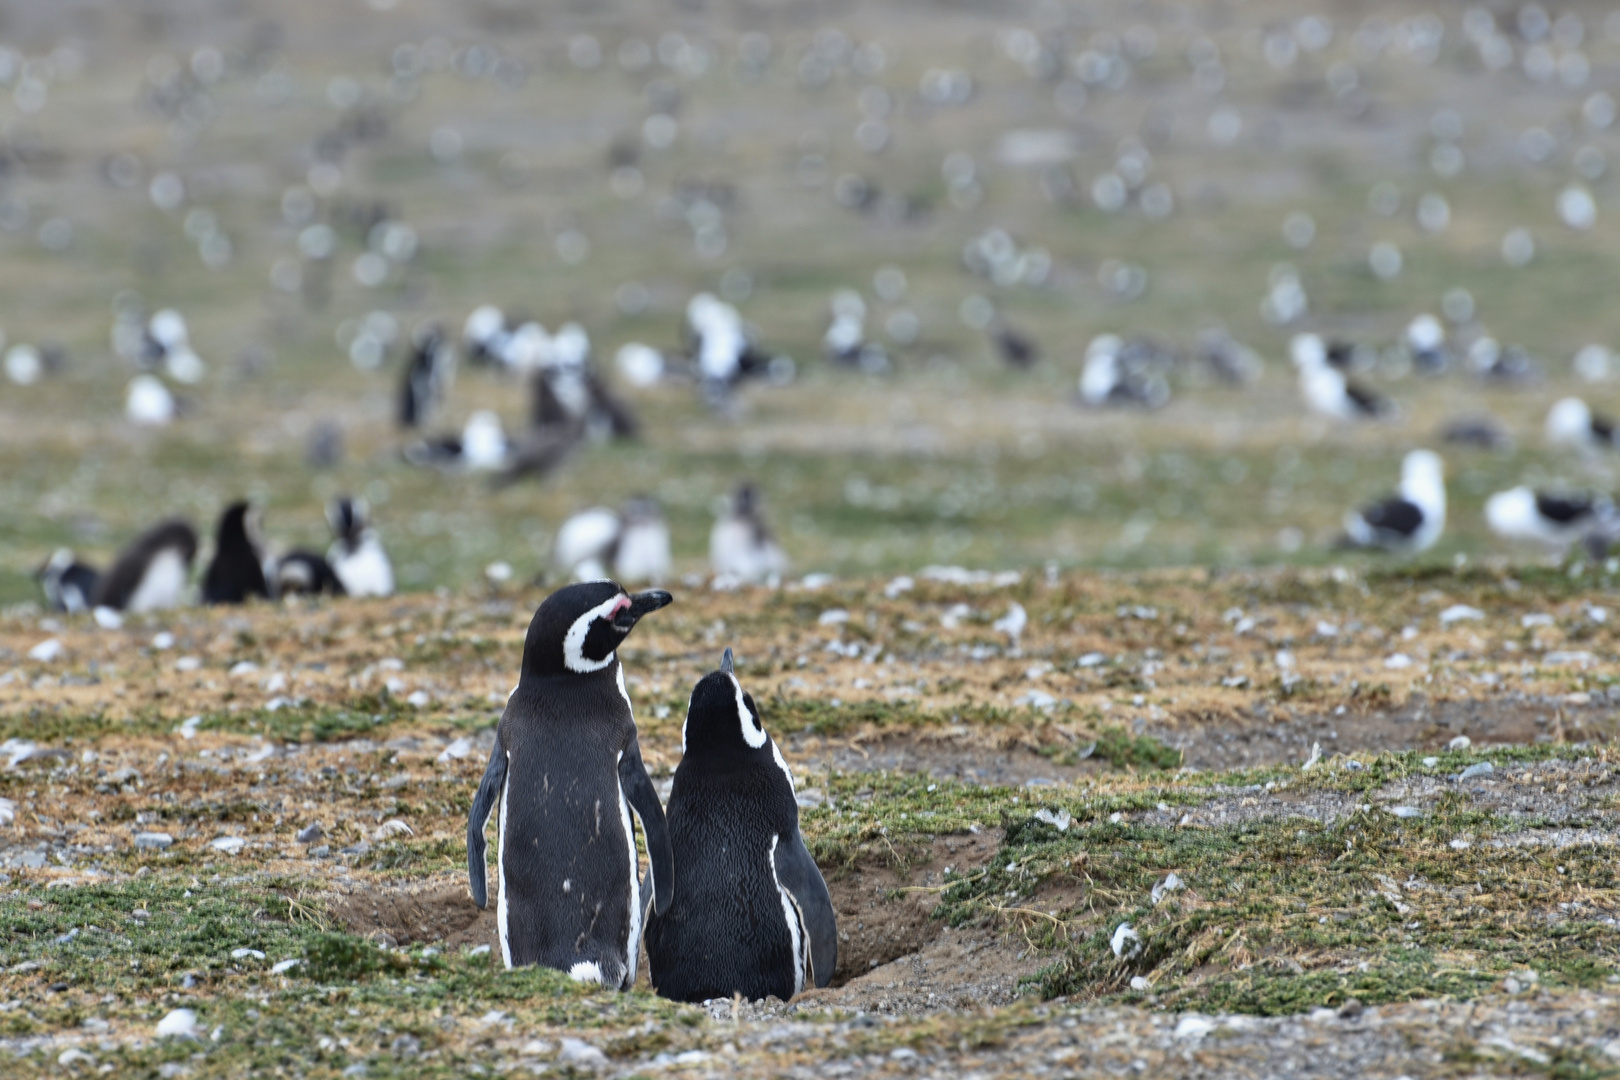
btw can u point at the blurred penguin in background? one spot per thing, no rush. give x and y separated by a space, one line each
1571 422
570 395
632 545
303 573
236 572
428 374
356 556
643 553
152 572
1410 521
740 545
69 585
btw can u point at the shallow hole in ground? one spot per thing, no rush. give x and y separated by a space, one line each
876 926
438 913
893 955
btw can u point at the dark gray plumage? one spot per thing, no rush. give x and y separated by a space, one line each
751 914
567 771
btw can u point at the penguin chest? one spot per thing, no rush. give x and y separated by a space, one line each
364 572
569 888
161 584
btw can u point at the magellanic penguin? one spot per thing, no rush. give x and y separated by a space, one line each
751 914
740 545
357 556
237 569
151 573
567 769
304 573
428 375
69 584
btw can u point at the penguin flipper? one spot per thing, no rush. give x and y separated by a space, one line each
799 875
489 789
638 790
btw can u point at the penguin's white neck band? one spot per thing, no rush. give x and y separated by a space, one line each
574 658
753 734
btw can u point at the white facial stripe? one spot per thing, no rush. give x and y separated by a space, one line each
752 733
776 752
623 692
574 641
790 915
500 864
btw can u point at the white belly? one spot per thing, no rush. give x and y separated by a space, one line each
643 554
162 584
365 571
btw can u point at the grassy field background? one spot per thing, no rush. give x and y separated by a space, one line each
952 458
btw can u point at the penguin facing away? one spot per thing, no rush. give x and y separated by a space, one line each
237 569
751 914
567 770
151 573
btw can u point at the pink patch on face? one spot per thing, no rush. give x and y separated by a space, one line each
622 603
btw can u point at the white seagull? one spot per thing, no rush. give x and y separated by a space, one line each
1556 522
1325 388
1411 521
1571 422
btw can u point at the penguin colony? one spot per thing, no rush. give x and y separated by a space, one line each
732 902
154 570
573 406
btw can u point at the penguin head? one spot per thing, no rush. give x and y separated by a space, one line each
347 516
722 718
57 565
239 524
578 628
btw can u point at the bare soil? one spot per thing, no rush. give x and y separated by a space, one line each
432 913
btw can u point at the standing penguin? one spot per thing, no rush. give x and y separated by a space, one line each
740 544
567 768
751 914
237 569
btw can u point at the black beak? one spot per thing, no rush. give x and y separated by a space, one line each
725 661
644 603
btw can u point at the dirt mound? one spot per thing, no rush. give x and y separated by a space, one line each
437 914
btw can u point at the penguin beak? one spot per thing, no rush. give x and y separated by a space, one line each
644 603
725 661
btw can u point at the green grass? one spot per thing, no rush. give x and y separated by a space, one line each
1276 916
131 971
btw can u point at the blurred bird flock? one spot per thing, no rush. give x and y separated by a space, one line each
999 285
